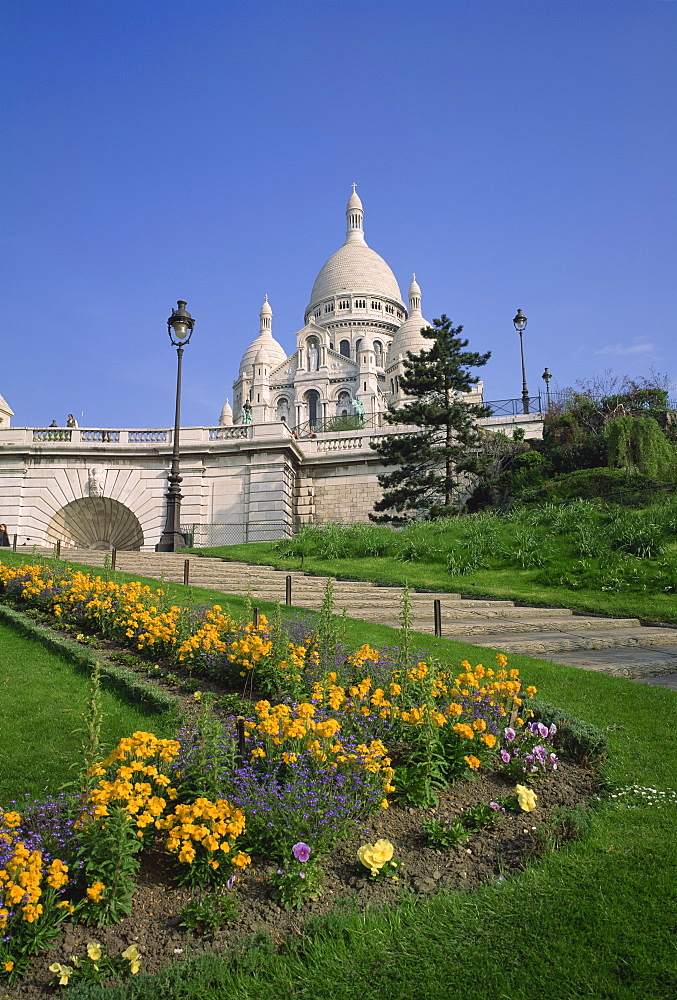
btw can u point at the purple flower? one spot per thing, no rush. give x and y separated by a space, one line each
494 805
509 734
231 881
301 851
543 730
505 756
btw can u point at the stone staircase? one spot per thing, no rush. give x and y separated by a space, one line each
499 625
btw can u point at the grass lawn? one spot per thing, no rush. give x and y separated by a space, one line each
597 919
42 701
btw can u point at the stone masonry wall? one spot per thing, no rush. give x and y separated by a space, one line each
345 494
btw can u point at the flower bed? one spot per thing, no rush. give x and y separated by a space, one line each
345 734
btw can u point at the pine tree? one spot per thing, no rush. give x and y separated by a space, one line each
434 463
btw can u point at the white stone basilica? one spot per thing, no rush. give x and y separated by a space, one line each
348 355
296 449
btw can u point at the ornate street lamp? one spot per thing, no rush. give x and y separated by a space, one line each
180 329
546 376
520 322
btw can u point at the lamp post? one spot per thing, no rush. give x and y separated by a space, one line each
546 376
520 322
180 329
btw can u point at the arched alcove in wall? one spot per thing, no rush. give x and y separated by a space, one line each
96 523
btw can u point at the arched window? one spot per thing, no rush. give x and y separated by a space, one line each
313 401
358 345
344 348
378 351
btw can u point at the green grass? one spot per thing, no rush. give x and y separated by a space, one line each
42 703
597 919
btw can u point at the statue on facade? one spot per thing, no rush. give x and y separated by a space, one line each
313 358
358 408
97 478
246 415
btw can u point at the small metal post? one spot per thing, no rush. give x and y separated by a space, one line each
287 590
186 571
58 548
14 538
240 738
255 618
113 557
437 611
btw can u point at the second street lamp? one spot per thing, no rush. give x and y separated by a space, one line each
180 329
546 376
520 322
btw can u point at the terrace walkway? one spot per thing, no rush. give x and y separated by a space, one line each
619 646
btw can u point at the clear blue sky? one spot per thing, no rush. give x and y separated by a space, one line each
513 153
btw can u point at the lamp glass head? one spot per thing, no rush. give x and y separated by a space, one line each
520 321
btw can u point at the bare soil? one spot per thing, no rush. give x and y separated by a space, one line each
487 855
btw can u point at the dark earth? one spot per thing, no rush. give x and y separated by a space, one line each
488 855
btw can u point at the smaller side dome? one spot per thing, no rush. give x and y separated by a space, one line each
226 418
261 356
408 337
275 353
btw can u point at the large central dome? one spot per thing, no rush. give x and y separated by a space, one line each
355 268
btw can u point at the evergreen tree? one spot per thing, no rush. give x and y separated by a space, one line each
434 463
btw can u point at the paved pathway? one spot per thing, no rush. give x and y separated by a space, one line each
619 646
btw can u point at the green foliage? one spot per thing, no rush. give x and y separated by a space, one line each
433 464
575 738
207 912
448 832
298 883
639 446
632 489
109 852
563 825
97 966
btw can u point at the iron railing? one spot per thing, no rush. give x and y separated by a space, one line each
335 425
235 533
514 407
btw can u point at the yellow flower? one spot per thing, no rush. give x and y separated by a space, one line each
526 798
8 966
94 951
374 856
95 890
133 957
472 762
63 971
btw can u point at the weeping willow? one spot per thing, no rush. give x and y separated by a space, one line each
639 445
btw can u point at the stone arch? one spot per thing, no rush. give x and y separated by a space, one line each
344 403
283 408
96 523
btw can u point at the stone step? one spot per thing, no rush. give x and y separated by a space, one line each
546 644
496 624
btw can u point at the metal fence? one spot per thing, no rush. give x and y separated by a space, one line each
211 535
512 407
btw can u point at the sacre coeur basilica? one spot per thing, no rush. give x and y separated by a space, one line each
294 447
